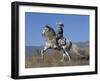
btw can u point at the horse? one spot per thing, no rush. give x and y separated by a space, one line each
51 42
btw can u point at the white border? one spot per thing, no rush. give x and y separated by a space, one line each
53 70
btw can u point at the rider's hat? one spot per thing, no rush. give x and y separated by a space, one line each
60 24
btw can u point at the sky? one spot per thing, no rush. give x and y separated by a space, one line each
76 27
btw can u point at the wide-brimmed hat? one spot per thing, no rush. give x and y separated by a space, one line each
60 24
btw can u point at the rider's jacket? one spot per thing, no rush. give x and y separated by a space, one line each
60 33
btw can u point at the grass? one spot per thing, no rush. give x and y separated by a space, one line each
52 59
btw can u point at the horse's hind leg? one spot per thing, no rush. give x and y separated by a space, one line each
62 60
66 54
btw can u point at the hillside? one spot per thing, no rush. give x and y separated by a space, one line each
79 56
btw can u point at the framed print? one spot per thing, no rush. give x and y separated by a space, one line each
50 40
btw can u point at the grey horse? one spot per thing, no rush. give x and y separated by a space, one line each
51 42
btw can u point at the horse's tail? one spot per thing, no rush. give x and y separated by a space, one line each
70 45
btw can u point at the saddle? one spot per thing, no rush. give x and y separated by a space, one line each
62 41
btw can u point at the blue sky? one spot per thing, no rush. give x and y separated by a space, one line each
76 27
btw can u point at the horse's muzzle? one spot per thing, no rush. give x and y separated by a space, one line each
42 34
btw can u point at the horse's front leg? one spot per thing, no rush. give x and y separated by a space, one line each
42 52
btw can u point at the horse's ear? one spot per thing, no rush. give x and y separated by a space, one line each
46 26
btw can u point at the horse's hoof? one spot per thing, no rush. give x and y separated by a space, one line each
68 60
62 60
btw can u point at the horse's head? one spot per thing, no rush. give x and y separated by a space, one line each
46 29
48 32
50 36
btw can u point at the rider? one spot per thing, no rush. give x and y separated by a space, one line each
60 26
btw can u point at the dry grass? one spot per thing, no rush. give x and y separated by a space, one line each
52 59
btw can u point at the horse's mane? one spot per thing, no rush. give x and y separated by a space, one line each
50 34
51 29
